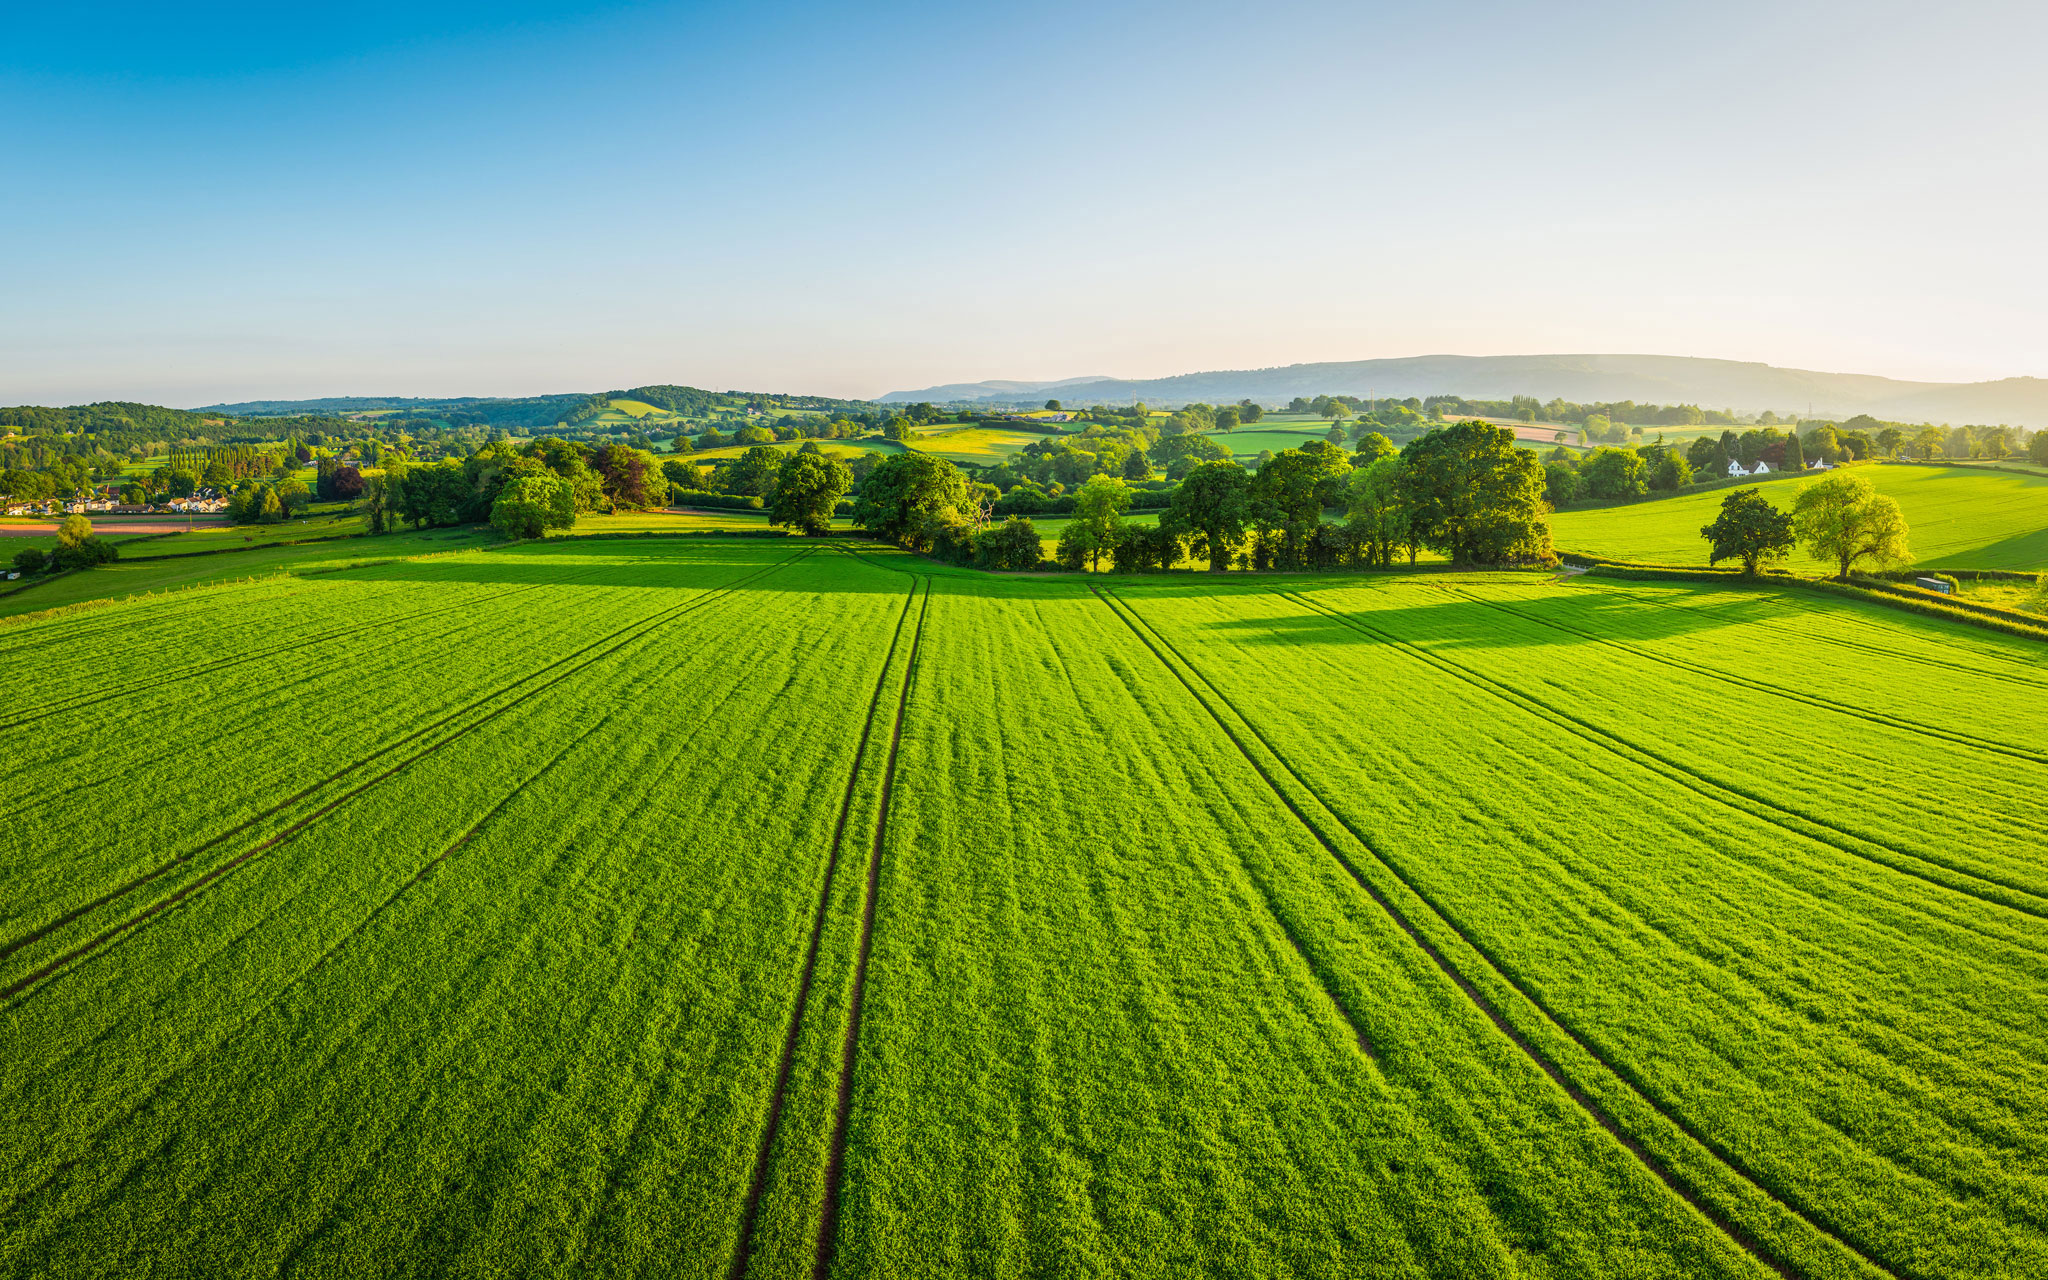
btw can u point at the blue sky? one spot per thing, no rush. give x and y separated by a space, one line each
231 201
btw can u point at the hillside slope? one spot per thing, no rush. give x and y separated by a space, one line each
1959 518
1716 384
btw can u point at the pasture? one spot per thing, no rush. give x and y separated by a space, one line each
769 908
1959 517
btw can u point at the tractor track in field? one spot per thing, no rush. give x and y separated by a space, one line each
835 1167
764 1153
1791 602
50 633
1760 686
1655 1165
196 670
319 963
645 626
1316 969
1997 892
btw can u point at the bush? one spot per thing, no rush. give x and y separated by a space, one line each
85 553
715 501
1013 544
30 561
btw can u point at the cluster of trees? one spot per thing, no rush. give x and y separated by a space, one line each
268 501
1464 490
1840 518
78 547
569 479
1609 472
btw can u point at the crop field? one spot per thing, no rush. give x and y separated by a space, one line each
779 908
1960 518
978 445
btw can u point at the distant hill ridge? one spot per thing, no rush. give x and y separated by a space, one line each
1712 384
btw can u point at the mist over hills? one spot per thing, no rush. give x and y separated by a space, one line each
1743 386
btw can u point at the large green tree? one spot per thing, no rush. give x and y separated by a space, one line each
903 491
806 492
1474 496
1749 529
1844 519
1378 520
1099 516
1211 507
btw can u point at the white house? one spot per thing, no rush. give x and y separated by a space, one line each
1820 464
1736 468
1762 468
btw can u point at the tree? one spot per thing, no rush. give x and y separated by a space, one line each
899 428
29 561
2037 447
1378 520
523 506
806 492
1795 455
1473 495
1671 473
1371 447
1614 473
1248 413
631 478
1335 435
1099 510
1844 519
1750 529
1052 406
1929 442
74 531
1013 544
1560 484
1290 492
755 473
1137 467
902 489
1211 506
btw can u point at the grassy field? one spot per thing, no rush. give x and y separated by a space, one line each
979 445
141 577
742 908
833 448
1962 518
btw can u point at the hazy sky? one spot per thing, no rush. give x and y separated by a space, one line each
219 202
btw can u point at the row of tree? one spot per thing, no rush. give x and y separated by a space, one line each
1465 491
1841 519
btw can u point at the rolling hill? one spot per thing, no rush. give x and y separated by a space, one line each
1715 384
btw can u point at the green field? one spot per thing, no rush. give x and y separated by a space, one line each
979 445
832 448
1960 518
136 576
708 908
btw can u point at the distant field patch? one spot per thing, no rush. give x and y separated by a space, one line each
1960 517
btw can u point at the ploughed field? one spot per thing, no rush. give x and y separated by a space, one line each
769 909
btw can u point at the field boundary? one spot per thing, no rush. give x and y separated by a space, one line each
763 1158
835 1167
644 625
1656 1164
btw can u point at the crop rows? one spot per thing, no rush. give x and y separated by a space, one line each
770 910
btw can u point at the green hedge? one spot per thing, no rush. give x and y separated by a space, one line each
713 501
